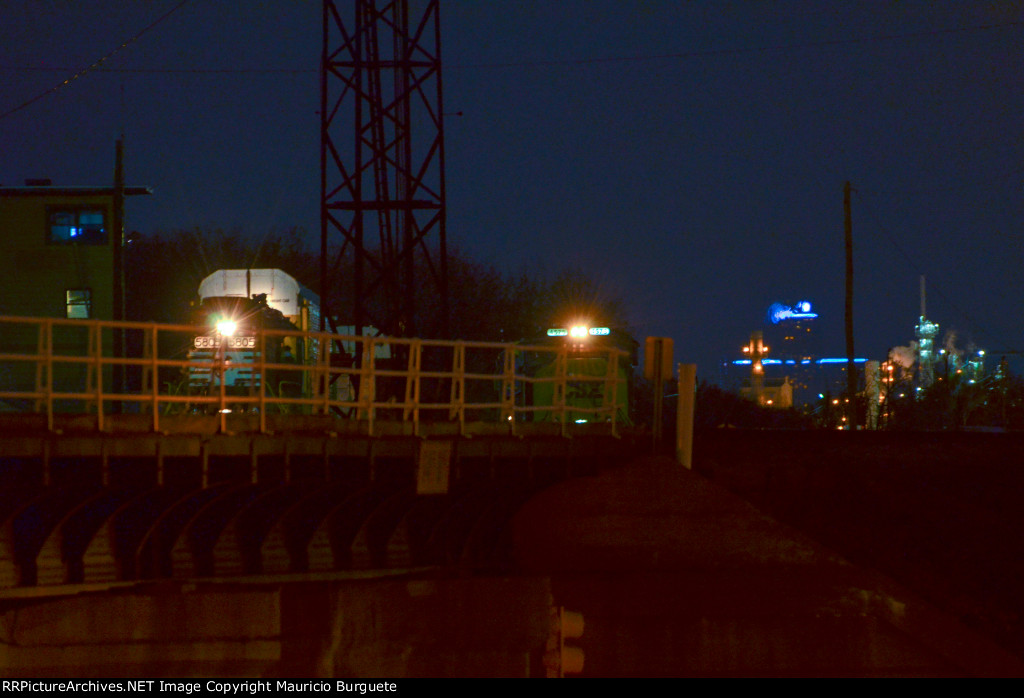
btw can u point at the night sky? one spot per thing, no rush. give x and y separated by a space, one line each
690 156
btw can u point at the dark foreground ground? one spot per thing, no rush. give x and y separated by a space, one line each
675 574
941 513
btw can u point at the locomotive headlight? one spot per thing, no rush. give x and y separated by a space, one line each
578 331
226 328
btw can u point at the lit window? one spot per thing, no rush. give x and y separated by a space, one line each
82 226
79 303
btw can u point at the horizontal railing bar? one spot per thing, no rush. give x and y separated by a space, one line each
241 378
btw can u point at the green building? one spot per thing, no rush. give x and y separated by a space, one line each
57 248
58 259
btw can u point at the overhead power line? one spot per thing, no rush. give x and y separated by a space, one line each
95 65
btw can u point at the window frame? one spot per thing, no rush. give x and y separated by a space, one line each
77 210
86 303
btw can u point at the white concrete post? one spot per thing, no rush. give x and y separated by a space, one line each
684 414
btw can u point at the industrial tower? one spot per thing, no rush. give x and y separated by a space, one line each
382 210
926 331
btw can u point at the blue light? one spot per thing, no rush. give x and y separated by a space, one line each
840 361
790 362
771 361
801 311
741 362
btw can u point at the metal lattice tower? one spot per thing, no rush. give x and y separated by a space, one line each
382 166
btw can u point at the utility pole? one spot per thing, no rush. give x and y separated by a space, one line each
851 375
119 278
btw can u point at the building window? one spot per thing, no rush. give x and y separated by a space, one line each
85 226
79 303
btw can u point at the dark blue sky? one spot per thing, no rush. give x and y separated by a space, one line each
689 155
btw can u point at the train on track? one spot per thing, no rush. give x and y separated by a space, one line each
237 306
257 318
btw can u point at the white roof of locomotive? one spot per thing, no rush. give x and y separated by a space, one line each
282 289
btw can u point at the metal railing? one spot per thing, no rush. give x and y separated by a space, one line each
55 366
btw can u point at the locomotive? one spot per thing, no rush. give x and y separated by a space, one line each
236 306
588 365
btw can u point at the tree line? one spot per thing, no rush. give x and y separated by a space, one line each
163 272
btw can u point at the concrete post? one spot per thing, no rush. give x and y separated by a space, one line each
684 415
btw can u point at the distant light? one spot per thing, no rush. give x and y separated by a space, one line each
581 421
779 312
839 361
771 361
558 332
790 361
741 362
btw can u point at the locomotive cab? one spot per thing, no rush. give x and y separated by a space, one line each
228 351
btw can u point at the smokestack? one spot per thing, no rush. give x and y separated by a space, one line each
922 296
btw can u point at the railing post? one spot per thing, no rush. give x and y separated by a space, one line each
49 374
37 404
561 377
367 382
322 379
262 346
154 358
329 377
412 384
612 386
222 406
508 388
456 404
96 346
